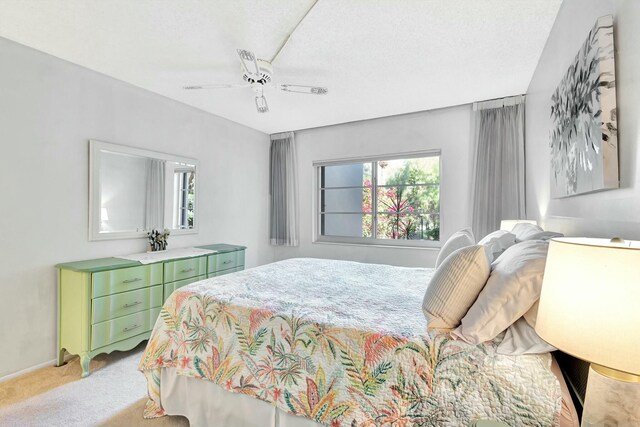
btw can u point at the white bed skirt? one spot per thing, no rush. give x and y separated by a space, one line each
209 405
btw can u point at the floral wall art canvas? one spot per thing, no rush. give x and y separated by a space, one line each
584 140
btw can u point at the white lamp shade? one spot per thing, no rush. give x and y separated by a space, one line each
508 224
590 301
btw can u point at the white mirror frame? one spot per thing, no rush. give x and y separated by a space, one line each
95 147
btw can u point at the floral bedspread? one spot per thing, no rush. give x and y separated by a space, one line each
345 344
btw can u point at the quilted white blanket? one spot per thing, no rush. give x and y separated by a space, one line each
345 344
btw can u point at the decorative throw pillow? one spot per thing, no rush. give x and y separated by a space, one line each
498 242
521 338
459 239
512 289
454 287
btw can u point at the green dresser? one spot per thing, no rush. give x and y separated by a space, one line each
182 272
227 259
112 304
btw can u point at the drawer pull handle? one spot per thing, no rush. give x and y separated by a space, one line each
227 261
137 279
132 304
187 270
131 328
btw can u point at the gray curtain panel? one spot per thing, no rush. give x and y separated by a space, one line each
154 203
499 168
283 189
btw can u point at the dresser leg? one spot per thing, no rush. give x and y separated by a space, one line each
84 362
60 360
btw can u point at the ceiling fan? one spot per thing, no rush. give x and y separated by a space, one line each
258 74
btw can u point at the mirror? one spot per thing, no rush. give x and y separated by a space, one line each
132 191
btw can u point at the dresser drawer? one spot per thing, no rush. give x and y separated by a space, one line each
225 261
232 270
105 333
118 305
184 269
126 279
170 287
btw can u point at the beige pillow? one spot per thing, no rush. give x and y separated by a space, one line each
459 239
455 286
511 291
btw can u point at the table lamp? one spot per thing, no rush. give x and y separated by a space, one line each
508 224
590 308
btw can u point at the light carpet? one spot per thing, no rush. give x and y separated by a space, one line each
113 395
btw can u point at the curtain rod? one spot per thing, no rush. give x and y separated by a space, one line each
499 102
408 113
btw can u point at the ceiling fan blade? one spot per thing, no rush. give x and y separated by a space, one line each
214 86
311 90
249 62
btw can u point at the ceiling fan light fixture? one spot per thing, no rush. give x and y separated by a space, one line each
261 104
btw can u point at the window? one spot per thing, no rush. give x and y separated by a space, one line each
380 200
184 194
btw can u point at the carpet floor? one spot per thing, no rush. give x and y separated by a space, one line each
113 395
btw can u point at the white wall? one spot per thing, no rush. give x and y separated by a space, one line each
447 129
608 213
49 109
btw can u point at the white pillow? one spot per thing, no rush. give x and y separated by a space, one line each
498 242
512 289
454 287
532 315
524 231
459 239
544 235
521 338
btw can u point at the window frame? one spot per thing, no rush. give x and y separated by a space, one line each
318 237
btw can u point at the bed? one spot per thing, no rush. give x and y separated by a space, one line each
308 342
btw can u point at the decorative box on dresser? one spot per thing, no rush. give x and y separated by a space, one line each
112 304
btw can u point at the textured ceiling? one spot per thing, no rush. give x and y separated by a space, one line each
377 57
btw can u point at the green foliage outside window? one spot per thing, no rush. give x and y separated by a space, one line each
408 201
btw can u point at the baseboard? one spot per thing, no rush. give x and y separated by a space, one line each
51 362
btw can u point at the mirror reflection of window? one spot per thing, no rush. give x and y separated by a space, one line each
133 191
154 206
184 195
